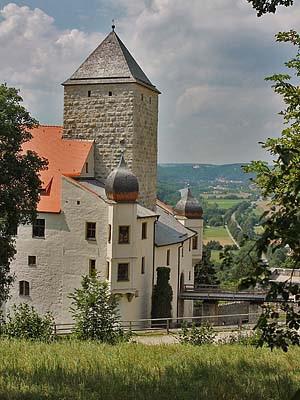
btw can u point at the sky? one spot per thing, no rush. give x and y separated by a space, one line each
208 58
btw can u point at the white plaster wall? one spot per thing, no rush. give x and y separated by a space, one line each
63 255
195 225
139 285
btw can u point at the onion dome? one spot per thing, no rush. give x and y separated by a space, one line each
188 206
121 184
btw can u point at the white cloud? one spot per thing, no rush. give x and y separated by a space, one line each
36 57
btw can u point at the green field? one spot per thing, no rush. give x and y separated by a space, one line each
71 370
218 233
225 203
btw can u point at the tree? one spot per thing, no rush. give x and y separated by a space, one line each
19 180
269 6
280 183
162 295
205 273
95 311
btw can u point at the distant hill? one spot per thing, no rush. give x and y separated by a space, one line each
195 173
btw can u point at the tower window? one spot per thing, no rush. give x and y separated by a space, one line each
92 268
189 244
89 93
142 97
182 250
150 100
107 270
168 257
189 275
24 288
78 202
195 243
123 234
110 93
123 272
38 228
32 260
144 230
109 233
86 167
91 230
143 266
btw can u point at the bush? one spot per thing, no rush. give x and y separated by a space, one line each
94 310
162 294
241 338
25 323
197 336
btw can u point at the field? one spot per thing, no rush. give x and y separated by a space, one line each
224 203
72 370
218 233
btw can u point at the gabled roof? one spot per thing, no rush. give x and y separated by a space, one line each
110 62
65 157
168 230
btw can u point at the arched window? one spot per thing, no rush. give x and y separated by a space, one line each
24 288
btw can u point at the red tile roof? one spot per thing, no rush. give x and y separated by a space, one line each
65 157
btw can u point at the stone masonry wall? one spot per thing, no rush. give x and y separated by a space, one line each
125 120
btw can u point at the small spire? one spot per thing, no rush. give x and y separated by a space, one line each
113 25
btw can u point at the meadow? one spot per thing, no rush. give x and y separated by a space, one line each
218 233
224 203
75 370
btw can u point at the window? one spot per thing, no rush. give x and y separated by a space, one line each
142 97
189 244
13 229
150 100
168 257
110 93
123 272
123 234
91 230
182 250
24 288
109 233
78 202
107 270
86 167
89 93
143 265
195 242
38 228
92 268
189 275
31 260
144 230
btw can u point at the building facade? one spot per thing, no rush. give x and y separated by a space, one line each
98 213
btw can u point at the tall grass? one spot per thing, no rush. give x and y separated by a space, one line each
76 370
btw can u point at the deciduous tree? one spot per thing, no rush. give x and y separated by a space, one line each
19 178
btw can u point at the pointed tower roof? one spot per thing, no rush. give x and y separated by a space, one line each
110 62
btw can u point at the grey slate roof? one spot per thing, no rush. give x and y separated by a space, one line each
169 231
110 62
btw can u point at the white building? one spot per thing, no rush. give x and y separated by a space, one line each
97 214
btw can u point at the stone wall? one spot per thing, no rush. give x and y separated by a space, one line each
118 117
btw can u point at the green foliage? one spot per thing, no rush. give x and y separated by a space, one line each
242 338
94 310
205 273
77 370
280 183
19 180
197 336
162 295
269 6
25 323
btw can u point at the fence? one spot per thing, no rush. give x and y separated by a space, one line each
168 324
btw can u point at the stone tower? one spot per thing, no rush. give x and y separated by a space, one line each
109 99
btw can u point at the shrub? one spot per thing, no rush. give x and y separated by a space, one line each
241 338
25 323
197 336
94 310
162 294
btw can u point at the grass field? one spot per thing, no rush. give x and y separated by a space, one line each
225 203
218 233
79 371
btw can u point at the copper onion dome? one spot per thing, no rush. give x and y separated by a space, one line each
188 206
121 184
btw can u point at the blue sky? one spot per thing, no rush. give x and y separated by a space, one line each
209 59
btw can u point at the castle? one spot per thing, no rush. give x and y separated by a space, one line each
98 210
